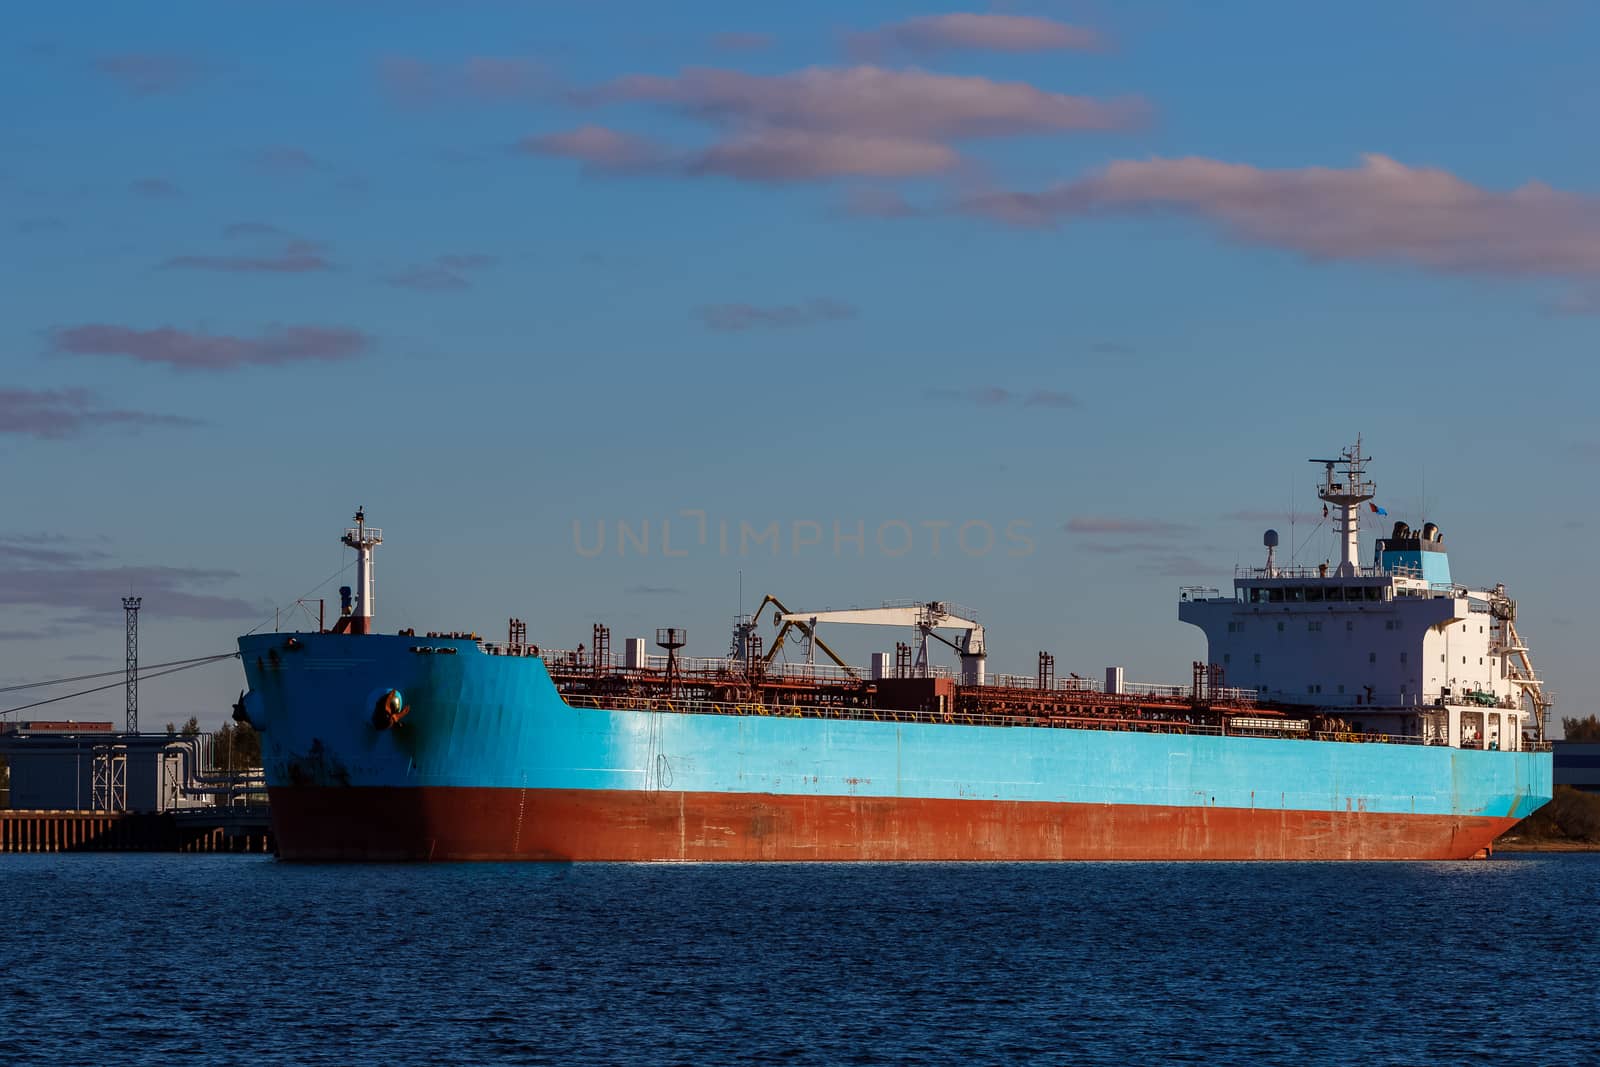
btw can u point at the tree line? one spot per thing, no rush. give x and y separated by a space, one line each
1581 729
235 747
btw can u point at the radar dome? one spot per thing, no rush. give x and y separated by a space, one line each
1270 539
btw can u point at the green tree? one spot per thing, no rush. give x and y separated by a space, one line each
1581 729
236 747
191 728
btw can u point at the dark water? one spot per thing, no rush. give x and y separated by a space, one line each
238 959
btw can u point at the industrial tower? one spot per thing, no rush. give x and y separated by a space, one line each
130 605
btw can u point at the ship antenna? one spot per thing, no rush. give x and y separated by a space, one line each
363 539
1345 493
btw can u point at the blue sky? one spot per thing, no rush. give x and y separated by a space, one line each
496 269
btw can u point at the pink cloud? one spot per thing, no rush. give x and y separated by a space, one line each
54 414
873 202
1380 210
147 73
447 273
790 155
989 32
874 101
599 148
737 317
188 350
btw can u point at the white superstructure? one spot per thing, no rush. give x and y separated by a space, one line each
1394 647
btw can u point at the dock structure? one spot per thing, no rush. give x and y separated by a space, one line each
217 830
81 787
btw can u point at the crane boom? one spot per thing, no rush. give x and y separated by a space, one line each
925 618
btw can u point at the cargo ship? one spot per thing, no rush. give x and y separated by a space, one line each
1346 711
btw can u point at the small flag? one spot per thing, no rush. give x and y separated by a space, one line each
1324 511
1376 509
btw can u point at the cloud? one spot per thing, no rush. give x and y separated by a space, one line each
735 317
873 101
743 42
154 188
187 350
991 396
285 159
798 155
148 73
1106 524
297 257
1380 210
418 83
599 148
55 414
877 203
447 273
930 34
827 122
93 588
292 256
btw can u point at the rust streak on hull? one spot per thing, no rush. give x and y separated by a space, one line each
354 823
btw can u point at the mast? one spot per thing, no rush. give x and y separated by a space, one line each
1344 488
363 539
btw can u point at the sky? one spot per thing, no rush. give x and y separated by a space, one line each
633 313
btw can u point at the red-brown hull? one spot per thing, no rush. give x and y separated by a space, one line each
341 823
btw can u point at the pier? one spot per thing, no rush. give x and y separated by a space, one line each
216 830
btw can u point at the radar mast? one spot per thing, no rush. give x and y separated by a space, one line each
1344 489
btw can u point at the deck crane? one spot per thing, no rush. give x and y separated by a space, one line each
787 621
925 617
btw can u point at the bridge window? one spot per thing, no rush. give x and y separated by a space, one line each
1350 625
1372 657
1402 657
1280 627
1314 627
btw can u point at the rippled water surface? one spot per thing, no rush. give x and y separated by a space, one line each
237 959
